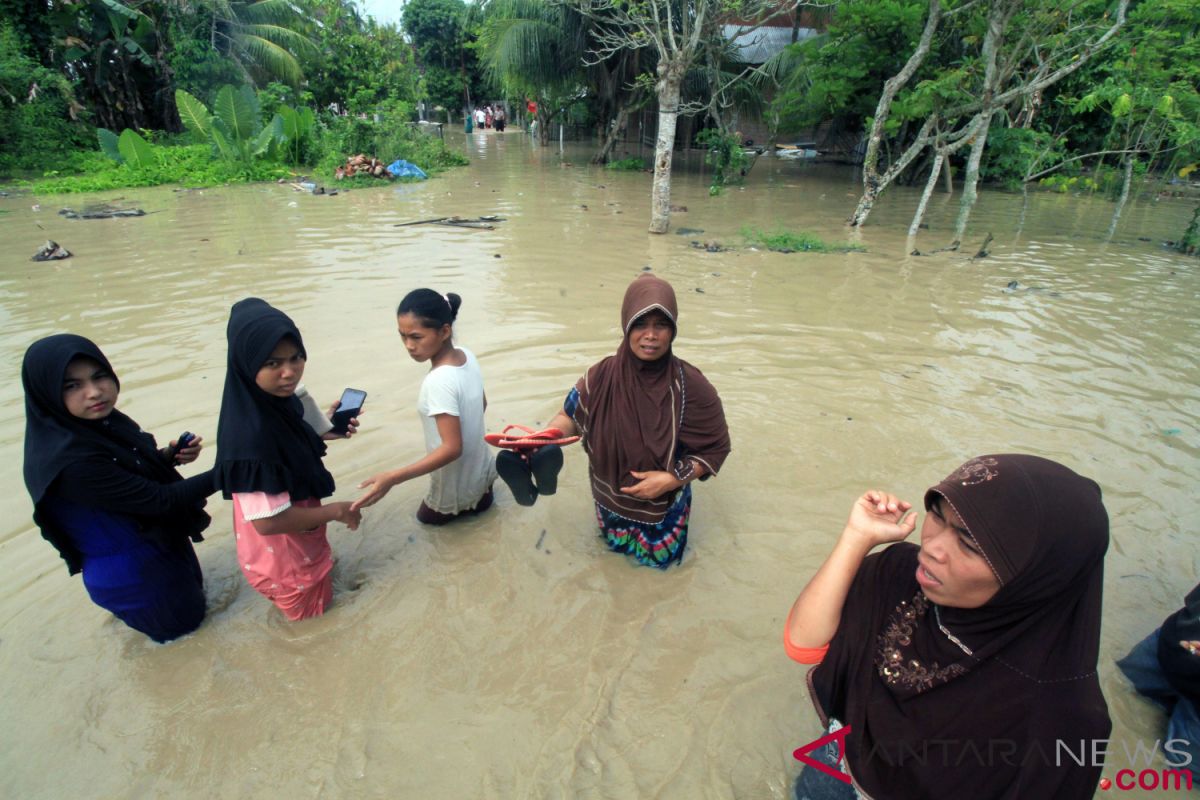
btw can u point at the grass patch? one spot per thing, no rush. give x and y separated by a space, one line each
782 241
631 164
189 165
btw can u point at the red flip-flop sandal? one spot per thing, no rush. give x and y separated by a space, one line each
531 440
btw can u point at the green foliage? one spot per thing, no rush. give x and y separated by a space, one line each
190 165
135 151
110 145
1013 154
360 64
392 137
235 130
631 164
37 109
839 76
725 156
784 241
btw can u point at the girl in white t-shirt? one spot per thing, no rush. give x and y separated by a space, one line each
451 405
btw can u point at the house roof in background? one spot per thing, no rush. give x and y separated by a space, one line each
756 46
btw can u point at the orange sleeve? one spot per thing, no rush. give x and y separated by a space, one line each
805 655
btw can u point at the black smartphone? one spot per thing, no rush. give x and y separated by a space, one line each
182 441
352 403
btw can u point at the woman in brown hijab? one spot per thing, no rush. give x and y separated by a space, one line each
650 423
966 666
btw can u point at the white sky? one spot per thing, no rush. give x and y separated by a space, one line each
383 10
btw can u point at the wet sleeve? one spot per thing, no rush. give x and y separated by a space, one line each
804 655
108 487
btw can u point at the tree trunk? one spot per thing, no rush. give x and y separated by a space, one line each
929 184
872 184
613 135
670 79
1112 226
971 177
877 183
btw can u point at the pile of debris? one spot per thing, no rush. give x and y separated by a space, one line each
361 165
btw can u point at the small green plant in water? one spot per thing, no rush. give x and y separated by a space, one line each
631 164
782 241
725 156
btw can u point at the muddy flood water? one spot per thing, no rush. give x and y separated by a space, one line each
511 655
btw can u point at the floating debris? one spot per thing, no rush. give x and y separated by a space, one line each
51 251
101 212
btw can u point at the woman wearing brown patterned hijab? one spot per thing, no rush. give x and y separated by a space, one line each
651 423
963 667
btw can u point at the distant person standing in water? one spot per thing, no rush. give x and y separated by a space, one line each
106 497
651 424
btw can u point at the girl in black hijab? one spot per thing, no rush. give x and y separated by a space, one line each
105 497
269 463
962 667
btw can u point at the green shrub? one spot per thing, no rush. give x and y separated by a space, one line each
392 137
725 156
795 241
1013 153
189 165
631 164
36 128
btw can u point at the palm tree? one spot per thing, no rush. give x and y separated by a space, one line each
262 36
535 49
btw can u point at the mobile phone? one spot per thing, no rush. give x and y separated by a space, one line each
352 403
182 441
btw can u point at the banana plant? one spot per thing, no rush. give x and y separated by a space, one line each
235 129
128 148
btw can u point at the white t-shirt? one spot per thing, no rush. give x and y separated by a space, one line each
448 389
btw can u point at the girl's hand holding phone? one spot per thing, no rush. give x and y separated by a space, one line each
351 427
189 452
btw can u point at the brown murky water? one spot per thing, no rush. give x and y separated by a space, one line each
469 661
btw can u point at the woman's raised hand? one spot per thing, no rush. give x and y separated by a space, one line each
879 518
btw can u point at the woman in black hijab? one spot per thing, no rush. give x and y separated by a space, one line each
109 501
962 667
269 463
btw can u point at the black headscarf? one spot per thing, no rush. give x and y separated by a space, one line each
55 439
930 721
263 442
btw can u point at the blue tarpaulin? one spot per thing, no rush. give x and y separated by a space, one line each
402 169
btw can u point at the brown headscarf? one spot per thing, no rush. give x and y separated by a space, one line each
930 721
639 415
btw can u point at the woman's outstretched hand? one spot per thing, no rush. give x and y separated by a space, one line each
879 518
380 485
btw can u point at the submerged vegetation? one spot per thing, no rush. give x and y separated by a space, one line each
784 241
